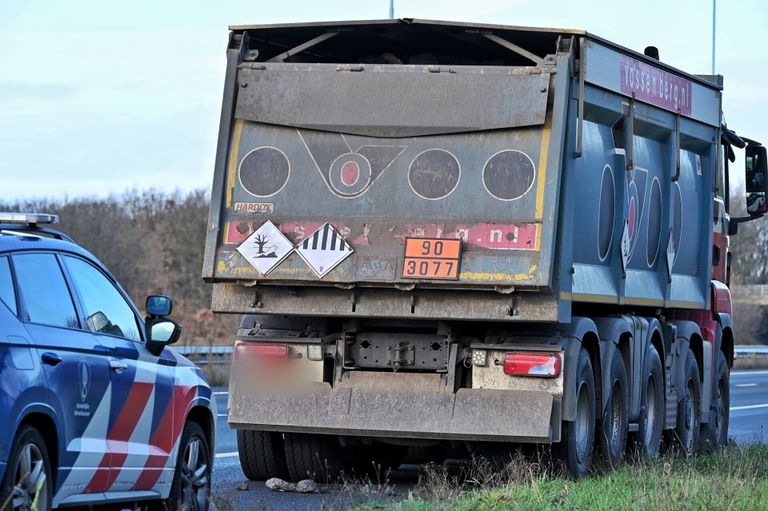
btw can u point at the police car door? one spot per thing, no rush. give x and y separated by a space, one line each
141 388
76 368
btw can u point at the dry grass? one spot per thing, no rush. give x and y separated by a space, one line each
736 478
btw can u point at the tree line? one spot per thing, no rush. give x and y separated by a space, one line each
153 243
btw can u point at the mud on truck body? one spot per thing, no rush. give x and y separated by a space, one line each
474 235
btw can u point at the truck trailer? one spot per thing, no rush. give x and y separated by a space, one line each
470 235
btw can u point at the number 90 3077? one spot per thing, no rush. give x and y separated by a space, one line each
432 258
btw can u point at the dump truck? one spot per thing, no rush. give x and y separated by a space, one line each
470 236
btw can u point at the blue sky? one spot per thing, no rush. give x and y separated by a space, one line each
97 97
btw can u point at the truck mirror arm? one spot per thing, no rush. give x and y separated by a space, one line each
733 223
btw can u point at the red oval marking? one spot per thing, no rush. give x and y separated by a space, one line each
350 173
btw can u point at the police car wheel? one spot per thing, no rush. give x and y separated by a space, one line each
191 490
28 478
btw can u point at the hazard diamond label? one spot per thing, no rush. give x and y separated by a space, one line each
266 247
324 249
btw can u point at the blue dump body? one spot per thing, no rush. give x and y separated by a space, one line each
470 233
569 168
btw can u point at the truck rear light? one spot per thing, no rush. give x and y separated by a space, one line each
479 358
263 351
532 364
315 352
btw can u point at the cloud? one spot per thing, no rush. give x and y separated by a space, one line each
11 91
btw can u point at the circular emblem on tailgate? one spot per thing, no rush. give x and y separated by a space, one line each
509 174
264 171
434 174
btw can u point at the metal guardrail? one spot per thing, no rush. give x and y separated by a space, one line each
750 350
203 355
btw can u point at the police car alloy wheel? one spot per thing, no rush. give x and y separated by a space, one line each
192 482
27 484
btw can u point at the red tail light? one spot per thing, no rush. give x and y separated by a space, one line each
263 351
545 365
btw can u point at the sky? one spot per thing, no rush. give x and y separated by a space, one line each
100 97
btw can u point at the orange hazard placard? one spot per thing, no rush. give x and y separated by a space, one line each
427 258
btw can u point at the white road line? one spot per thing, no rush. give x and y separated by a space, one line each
222 393
749 407
222 415
747 373
746 384
226 455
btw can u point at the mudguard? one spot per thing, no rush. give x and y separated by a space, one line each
686 330
611 330
571 343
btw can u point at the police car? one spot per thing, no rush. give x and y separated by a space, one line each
94 409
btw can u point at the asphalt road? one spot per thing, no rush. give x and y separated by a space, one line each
232 491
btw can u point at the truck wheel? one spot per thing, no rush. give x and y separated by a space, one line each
375 460
647 441
577 446
686 433
262 454
191 486
318 457
715 433
28 481
613 427
422 454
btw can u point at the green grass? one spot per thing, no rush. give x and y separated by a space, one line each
736 478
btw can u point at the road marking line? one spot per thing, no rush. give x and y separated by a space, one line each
222 393
746 384
747 372
749 407
222 415
226 455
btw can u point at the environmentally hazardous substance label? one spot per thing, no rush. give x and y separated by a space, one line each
324 249
432 259
265 248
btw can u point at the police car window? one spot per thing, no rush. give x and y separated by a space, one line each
44 291
7 294
106 310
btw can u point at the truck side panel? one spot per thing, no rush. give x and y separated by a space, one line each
634 197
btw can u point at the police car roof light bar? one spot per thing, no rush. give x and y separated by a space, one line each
30 219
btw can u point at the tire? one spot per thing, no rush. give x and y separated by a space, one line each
262 454
191 487
422 454
686 433
576 448
318 457
377 460
615 416
28 481
647 441
715 433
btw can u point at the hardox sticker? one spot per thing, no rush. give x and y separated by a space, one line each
324 249
265 248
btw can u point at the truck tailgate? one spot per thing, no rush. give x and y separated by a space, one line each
375 155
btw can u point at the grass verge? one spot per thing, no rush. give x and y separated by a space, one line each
736 478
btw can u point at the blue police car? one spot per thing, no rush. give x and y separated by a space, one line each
94 409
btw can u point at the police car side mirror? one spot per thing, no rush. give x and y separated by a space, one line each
159 305
756 169
161 332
